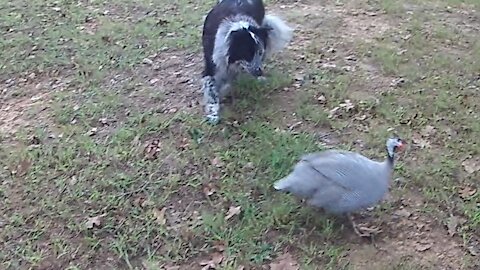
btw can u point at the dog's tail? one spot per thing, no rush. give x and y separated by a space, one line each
279 35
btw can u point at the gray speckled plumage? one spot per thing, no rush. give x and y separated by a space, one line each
340 181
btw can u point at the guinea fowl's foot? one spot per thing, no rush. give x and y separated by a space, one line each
364 231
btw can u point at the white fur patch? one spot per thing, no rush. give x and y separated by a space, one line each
239 25
220 49
280 35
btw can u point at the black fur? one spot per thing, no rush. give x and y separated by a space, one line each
235 37
243 46
220 12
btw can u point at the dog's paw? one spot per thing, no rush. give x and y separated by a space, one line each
212 119
262 79
212 113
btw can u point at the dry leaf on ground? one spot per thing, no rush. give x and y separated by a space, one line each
471 165
474 248
321 99
423 246
215 262
219 246
94 221
452 224
402 213
22 167
348 105
142 202
420 142
209 189
467 192
234 210
217 162
428 131
333 113
172 267
152 149
92 132
284 262
159 215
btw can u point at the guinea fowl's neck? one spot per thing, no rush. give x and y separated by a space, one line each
390 157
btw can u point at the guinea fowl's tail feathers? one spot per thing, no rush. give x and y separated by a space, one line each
283 183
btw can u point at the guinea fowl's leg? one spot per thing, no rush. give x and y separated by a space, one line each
363 231
355 226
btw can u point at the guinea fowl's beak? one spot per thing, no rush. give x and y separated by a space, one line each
401 146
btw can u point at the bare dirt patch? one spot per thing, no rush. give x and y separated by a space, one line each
173 77
26 103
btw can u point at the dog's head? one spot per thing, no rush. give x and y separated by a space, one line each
247 45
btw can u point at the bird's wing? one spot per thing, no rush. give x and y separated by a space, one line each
344 169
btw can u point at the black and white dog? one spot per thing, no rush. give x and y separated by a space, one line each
237 35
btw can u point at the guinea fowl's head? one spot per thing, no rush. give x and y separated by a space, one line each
394 145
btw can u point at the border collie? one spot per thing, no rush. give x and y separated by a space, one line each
237 36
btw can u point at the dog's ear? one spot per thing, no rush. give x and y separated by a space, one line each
263 32
242 46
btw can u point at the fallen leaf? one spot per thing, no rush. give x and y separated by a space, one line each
73 180
299 77
152 149
172 267
361 118
423 246
397 82
184 144
215 176
420 142
94 221
284 262
428 131
214 262
209 189
34 140
249 166
293 126
142 202
219 246
147 61
471 165
22 167
217 258
217 162
92 132
103 121
333 112
162 22
348 105
474 248
322 99
452 224
402 213
467 192
159 215
234 210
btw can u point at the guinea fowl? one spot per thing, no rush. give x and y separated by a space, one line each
341 182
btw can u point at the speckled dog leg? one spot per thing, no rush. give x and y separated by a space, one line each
211 98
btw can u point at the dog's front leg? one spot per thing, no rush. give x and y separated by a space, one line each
211 99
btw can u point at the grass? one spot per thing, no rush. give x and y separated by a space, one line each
82 155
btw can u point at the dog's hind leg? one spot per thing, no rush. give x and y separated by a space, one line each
211 99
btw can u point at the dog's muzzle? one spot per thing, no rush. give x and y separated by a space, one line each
256 71
255 68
